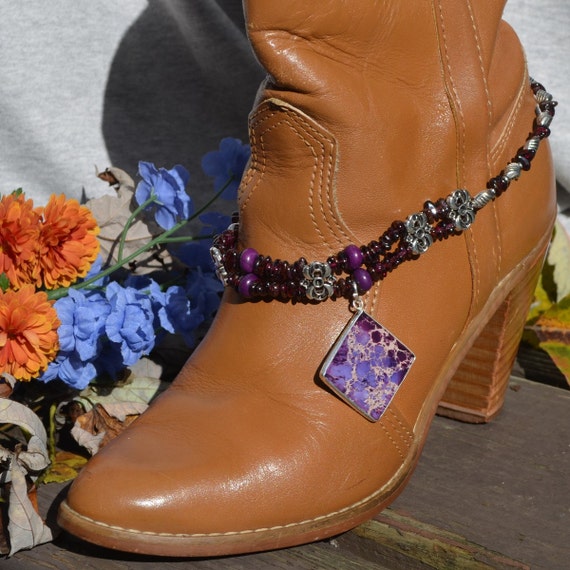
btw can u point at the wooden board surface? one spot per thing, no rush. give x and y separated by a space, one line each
487 496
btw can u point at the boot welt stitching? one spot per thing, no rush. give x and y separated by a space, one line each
232 533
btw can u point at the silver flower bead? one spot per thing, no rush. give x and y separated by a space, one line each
462 212
318 281
418 233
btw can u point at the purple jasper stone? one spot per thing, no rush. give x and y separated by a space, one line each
245 283
366 366
362 278
247 259
354 257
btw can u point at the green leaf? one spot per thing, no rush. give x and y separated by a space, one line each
4 282
552 329
559 260
65 467
541 303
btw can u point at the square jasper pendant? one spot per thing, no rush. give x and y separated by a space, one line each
366 366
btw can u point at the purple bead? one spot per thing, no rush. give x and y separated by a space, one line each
245 283
354 257
247 259
362 279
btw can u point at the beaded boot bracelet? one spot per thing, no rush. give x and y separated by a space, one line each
365 341
258 276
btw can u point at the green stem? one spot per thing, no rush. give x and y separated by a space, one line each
129 223
51 433
214 198
182 239
164 237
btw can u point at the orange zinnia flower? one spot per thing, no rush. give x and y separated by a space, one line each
19 232
68 242
28 332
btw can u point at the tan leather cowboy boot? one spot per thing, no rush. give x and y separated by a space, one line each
372 113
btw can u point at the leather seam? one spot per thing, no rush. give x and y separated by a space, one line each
393 441
499 146
353 506
460 143
404 431
484 79
318 136
309 135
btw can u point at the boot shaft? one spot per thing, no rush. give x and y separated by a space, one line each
370 109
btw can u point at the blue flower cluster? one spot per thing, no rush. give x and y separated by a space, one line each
166 189
113 323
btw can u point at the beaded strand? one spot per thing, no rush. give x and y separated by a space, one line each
256 276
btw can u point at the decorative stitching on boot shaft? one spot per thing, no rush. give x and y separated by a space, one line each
256 276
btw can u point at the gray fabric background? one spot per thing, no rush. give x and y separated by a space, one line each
85 83
98 83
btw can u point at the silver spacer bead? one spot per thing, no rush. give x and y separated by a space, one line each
541 96
544 119
532 144
483 198
513 170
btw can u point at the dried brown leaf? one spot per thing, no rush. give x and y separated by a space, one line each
102 423
65 467
112 213
25 527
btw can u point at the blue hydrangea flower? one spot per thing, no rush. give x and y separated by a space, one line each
82 322
167 187
214 223
82 317
71 369
94 270
110 360
172 308
197 253
130 323
229 161
182 318
204 290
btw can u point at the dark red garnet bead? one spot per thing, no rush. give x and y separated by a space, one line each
523 161
430 211
499 184
274 289
541 132
442 208
548 106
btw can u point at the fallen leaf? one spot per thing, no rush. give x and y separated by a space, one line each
136 389
552 330
94 429
25 527
7 383
112 213
559 259
64 468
